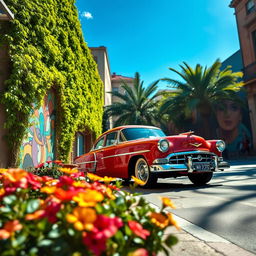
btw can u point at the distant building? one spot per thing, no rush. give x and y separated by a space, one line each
245 12
117 82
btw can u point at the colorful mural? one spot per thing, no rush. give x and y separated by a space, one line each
38 146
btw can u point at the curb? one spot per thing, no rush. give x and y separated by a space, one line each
196 241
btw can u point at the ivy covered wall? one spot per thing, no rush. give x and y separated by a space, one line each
47 50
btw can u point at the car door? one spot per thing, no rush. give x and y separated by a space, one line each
105 156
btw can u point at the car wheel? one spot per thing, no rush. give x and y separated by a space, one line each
200 178
143 173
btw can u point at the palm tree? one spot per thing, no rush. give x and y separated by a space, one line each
198 93
137 105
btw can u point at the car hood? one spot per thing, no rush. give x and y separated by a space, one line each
181 143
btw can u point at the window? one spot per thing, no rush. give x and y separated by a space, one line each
254 41
140 133
111 139
250 6
100 143
80 144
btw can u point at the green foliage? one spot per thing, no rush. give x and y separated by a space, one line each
137 105
47 50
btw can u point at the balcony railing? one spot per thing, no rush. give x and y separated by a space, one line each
249 72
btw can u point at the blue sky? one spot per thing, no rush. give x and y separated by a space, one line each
148 36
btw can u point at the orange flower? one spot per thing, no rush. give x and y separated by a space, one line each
68 170
9 228
173 221
159 219
138 181
168 202
15 175
88 198
139 252
35 215
2 191
82 218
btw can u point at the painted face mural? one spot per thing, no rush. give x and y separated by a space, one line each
38 145
231 129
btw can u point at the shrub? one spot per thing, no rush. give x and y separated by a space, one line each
77 215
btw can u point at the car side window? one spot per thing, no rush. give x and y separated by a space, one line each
122 137
111 139
99 144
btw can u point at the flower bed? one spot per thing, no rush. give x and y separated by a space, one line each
77 215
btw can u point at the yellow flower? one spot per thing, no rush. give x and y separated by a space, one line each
93 177
68 170
110 194
82 218
88 198
108 179
138 181
79 184
3 170
52 182
173 221
168 202
159 219
48 189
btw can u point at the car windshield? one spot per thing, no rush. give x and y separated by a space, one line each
141 133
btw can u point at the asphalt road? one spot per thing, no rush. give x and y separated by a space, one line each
225 207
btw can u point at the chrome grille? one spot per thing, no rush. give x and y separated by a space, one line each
196 158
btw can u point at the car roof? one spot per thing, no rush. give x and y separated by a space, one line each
130 126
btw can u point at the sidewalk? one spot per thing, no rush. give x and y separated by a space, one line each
195 241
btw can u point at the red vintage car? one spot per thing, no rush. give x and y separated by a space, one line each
148 154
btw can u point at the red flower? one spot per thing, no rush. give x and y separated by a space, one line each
104 228
97 246
138 229
39 165
50 208
34 181
65 181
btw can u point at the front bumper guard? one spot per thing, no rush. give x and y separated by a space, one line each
217 164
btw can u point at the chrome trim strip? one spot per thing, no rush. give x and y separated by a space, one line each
129 153
89 162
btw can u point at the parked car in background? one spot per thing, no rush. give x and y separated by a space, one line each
148 154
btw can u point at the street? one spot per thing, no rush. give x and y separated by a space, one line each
225 207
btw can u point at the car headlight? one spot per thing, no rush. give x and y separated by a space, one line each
220 145
163 145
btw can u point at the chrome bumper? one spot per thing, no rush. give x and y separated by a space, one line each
163 166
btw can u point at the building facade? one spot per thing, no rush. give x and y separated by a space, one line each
5 70
41 141
245 13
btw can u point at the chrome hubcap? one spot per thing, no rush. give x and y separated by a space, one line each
142 170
